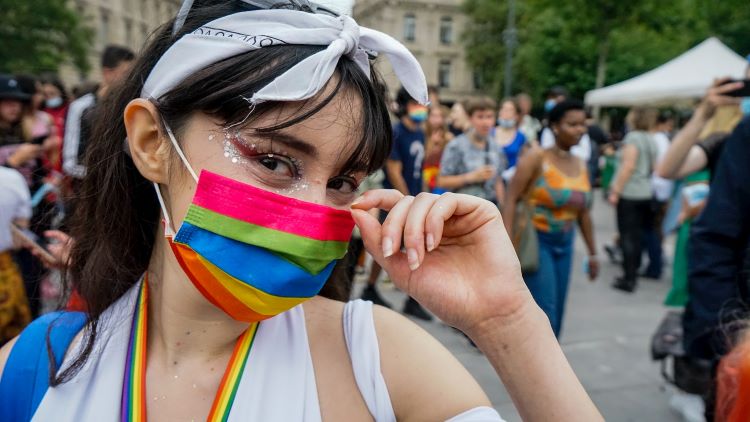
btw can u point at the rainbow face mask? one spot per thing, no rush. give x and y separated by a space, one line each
253 253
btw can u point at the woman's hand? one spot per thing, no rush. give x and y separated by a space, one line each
459 261
593 268
613 198
23 154
59 247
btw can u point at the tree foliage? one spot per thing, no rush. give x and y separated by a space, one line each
40 35
569 42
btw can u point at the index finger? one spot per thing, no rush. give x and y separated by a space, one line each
383 199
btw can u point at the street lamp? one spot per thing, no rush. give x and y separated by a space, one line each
510 37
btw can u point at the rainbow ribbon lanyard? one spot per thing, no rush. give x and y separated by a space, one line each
134 384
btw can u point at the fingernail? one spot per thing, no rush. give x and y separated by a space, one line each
413 258
430 242
387 247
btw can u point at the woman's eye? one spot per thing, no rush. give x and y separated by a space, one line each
277 165
343 185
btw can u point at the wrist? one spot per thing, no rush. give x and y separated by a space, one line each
510 327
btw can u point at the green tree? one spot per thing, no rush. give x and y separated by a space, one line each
41 35
583 44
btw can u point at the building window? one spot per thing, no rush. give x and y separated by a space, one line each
478 80
104 27
446 30
129 33
444 74
410 27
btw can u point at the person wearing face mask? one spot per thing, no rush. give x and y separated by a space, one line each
472 163
556 185
56 104
220 193
403 171
508 136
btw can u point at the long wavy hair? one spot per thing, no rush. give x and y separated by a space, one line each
116 214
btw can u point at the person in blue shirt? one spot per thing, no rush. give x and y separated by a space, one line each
404 166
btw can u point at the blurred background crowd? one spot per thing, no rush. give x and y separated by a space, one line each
668 150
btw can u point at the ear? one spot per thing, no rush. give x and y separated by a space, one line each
148 148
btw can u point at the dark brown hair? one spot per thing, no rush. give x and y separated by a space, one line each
117 214
473 105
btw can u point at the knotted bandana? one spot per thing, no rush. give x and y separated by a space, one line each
245 31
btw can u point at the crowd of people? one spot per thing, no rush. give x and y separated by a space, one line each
44 131
111 200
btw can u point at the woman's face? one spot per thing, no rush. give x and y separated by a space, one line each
302 161
50 91
508 111
436 118
570 129
10 111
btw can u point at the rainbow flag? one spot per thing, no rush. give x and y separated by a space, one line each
272 252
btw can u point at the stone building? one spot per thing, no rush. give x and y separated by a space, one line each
122 22
431 29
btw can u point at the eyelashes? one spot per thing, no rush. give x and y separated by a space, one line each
277 167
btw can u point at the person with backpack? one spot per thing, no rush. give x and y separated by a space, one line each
631 192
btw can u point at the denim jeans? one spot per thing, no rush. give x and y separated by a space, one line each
549 285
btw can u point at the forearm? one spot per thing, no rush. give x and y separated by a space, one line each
452 182
622 178
509 212
527 357
587 230
500 191
678 150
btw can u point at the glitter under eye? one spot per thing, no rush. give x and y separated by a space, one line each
234 142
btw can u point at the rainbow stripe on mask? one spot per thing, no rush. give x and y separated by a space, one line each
254 253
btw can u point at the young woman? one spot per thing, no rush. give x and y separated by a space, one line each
508 136
257 173
631 193
557 186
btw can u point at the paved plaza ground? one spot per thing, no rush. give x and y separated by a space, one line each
606 337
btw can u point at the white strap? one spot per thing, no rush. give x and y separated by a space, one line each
362 342
478 414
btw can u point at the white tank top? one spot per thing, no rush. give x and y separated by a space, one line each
278 383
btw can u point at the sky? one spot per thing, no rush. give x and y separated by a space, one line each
341 6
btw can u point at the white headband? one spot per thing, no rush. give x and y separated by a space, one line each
245 31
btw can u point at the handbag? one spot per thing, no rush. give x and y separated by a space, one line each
525 239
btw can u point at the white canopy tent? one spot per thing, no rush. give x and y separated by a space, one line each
682 78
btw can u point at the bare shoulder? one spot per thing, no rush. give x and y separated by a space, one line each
425 381
5 354
323 313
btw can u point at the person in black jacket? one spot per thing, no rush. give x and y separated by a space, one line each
717 252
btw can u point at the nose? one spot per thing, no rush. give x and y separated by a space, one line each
313 191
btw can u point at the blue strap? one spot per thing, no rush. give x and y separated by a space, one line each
26 375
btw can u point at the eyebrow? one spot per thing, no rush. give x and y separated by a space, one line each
290 141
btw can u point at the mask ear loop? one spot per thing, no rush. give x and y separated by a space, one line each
168 228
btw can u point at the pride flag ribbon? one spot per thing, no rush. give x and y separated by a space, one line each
255 253
133 404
